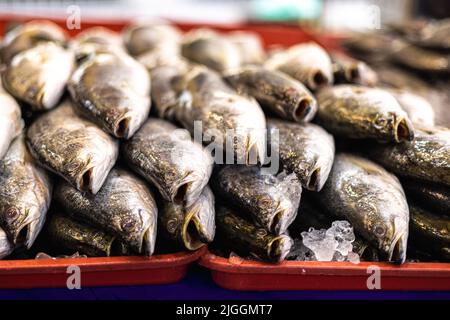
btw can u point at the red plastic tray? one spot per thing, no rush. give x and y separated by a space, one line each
111 271
239 274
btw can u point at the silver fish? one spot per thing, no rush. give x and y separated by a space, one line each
250 46
112 90
25 195
169 159
235 123
308 62
349 70
372 200
360 112
38 76
211 49
305 149
419 110
11 123
124 207
276 91
28 35
192 227
73 148
270 200
427 157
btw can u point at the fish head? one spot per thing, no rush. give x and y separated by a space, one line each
279 248
392 237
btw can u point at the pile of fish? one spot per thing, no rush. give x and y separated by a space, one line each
153 140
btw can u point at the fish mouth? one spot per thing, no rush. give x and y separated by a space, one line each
122 128
397 251
148 242
281 220
86 179
279 248
404 130
192 232
304 110
314 181
318 79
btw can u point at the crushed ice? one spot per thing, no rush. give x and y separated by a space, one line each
333 244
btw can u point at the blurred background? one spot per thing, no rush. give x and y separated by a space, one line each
334 15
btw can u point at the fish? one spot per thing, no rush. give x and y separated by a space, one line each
243 237
72 235
143 37
305 149
250 47
72 147
276 92
427 157
27 35
372 200
422 60
350 70
167 158
307 62
167 87
190 227
124 207
112 90
232 124
434 35
207 47
269 200
11 123
359 112
25 195
430 232
433 196
6 248
419 110
38 76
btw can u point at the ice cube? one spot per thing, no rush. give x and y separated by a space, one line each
321 243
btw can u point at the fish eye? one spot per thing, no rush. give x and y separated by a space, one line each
379 230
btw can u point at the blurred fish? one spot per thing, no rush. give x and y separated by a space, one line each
245 238
11 123
235 124
113 91
27 35
372 200
277 92
435 35
423 60
205 46
73 148
270 200
360 112
349 70
305 149
427 157
124 207
433 196
308 62
249 45
170 160
38 76
72 235
191 227
25 195
419 110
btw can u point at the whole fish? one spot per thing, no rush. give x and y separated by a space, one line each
245 238
11 123
73 148
360 112
96 40
234 124
38 76
427 157
275 91
372 200
169 159
71 235
191 227
349 70
250 46
25 195
308 62
28 35
305 149
112 90
433 196
211 49
271 201
124 207
140 38
430 232
6 248
167 86
419 110
423 60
